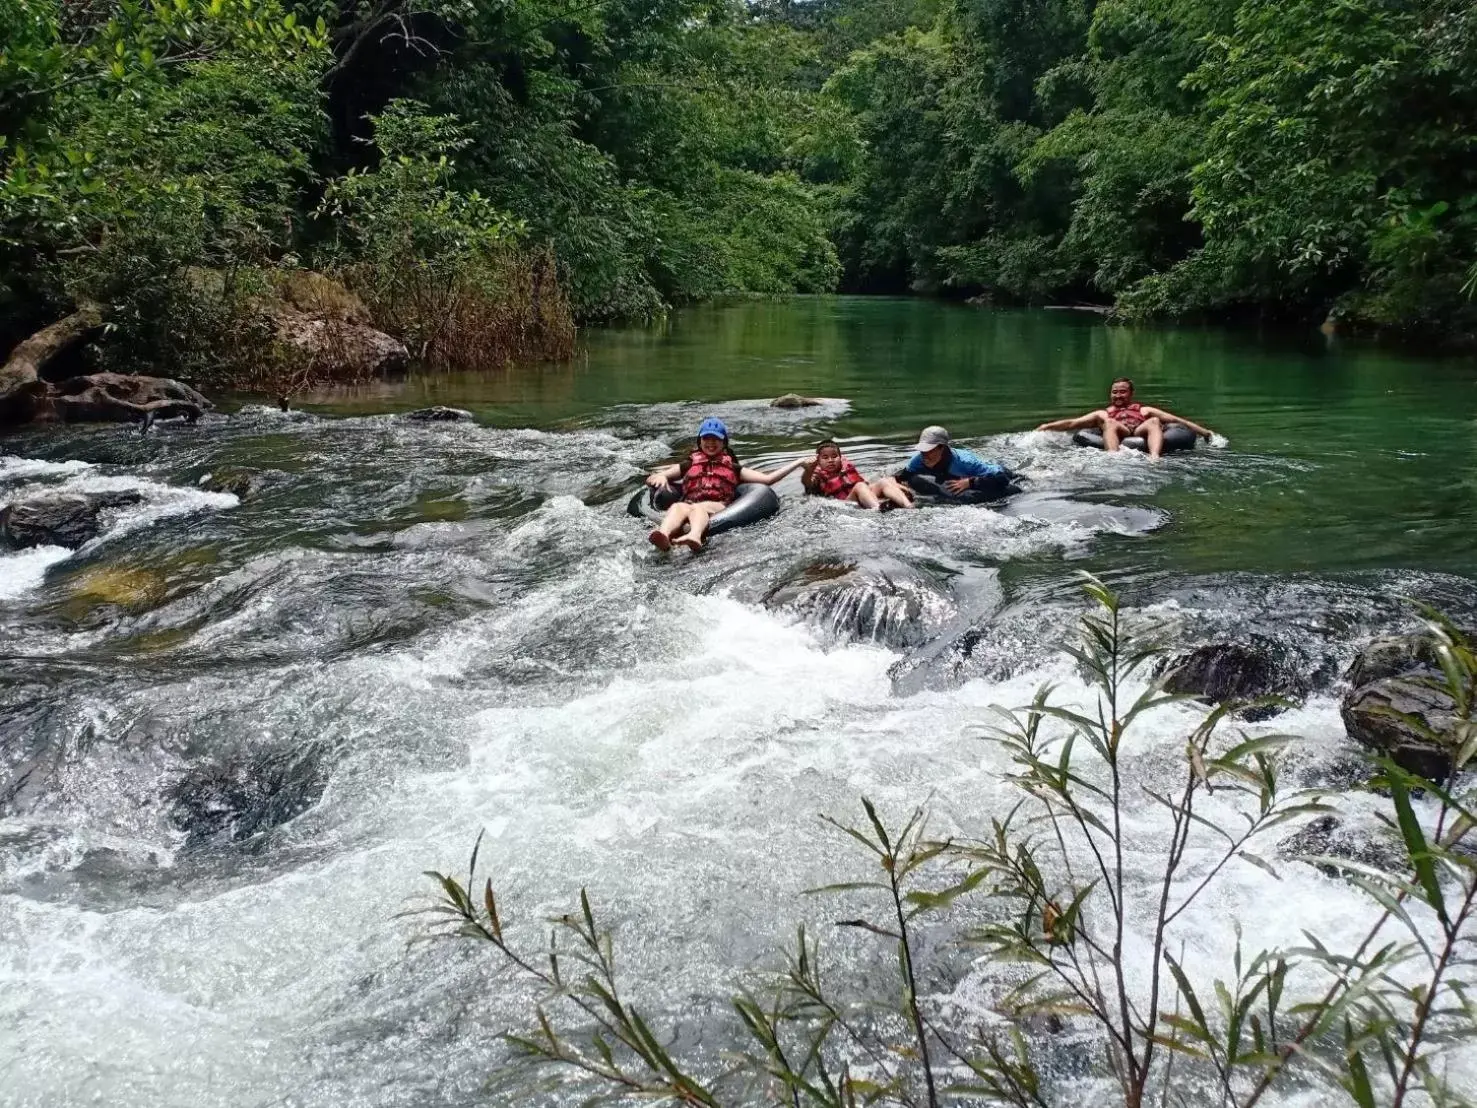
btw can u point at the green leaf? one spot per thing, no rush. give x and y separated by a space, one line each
1415 843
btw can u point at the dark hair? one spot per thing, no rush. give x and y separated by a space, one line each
1123 381
825 443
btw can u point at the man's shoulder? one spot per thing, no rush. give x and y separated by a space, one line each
974 461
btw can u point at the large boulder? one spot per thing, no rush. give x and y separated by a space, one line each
1397 705
338 350
882 600
59 519
327 328
1223 673
1390 716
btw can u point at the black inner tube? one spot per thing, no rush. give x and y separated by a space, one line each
1176 437
750 504
988 490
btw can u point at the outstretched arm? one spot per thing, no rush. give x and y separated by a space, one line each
1091 419
759 477
1170 417
665 476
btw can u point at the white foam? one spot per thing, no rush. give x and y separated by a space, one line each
23 571
22 469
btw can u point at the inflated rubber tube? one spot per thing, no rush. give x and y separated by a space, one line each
1176 437
750 505
996 487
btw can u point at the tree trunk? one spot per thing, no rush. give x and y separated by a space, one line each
25 396
21 386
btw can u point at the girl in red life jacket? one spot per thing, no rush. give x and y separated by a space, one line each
830 474
710 479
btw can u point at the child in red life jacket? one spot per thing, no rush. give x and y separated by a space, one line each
710 479
830 474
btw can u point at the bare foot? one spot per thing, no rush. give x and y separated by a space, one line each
660 539
689 542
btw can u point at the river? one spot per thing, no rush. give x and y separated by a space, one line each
234 732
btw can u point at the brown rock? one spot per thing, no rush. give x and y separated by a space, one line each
792 400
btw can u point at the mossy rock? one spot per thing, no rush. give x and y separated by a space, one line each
239 483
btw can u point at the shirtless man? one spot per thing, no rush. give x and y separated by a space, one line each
1124 417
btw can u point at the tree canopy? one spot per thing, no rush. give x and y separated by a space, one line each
1168 156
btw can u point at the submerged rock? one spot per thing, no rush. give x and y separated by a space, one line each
1329 837
881 600
438 414
125 587
237 799
59 519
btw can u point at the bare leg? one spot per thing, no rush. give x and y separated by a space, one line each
890 488
863 495
1113 431
676 518
699 515
1153 432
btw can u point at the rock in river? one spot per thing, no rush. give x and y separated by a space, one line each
881 600
1399 707
438 413
65 519
1230 671
239 797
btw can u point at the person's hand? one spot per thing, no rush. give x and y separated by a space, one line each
1043 427
658 481
957 485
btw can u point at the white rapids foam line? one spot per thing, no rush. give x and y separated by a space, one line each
26 570
21 469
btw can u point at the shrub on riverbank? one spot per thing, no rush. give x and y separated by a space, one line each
1081 977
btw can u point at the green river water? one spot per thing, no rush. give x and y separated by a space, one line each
1342 456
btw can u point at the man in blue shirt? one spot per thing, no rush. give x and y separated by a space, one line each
956 471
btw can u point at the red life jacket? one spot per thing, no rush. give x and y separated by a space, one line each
838 484
1130 415
710 478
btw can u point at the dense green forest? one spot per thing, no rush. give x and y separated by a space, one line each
474 161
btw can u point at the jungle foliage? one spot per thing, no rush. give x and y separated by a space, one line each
1171 157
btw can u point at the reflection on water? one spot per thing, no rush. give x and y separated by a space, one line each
234 733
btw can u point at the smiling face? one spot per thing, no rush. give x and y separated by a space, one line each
1121 393
711 445
933 457
828 458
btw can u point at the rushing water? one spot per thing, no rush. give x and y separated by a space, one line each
234 733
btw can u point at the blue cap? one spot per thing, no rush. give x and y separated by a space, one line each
713 427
